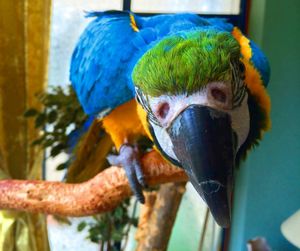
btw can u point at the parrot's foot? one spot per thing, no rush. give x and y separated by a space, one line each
128 158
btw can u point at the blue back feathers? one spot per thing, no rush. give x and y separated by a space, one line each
108 49
260 62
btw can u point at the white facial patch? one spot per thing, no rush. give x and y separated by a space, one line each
177 104
164 140
240 121
208 96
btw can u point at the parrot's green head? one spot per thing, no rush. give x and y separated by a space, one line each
199 110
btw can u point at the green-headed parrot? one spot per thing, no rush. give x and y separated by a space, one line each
199 84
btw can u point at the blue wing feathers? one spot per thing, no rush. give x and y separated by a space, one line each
100 63
108 49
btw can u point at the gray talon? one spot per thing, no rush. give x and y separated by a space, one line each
113 160
129 160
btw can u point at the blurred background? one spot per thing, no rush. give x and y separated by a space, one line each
36 42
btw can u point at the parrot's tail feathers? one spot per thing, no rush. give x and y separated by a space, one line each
90 156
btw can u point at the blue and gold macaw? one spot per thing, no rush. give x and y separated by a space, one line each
194 86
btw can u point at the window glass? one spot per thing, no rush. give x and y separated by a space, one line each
197 6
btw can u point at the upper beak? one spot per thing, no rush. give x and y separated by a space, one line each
203 142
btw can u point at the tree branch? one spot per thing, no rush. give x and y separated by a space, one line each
99 194
160 223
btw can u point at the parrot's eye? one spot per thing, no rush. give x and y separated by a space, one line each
163 110
218 95
242 67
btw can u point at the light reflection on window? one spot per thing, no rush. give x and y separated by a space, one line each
196 6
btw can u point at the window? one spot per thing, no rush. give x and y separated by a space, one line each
227 7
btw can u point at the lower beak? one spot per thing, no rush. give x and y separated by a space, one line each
203 142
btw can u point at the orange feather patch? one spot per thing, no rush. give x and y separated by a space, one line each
253 78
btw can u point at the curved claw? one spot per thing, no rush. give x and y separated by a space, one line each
129 160
139 173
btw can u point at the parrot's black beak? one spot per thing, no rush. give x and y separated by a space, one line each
204 144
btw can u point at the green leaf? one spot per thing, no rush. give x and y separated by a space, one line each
30 112
62 220
52 116
117 235
81 226
48 142
94 239
134 221
37 141
57 150
95 234
118 213
61 166
40 120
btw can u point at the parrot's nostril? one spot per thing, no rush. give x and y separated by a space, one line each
163 110
219 95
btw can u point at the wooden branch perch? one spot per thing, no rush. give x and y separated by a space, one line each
156 227
99 194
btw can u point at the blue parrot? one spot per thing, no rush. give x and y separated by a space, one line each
195 86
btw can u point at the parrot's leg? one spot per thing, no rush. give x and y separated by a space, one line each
129 159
